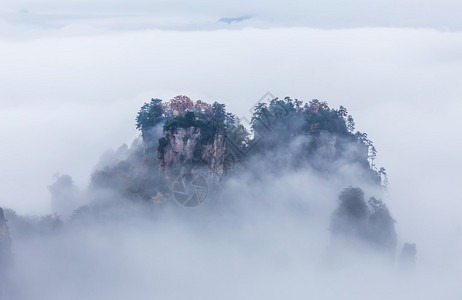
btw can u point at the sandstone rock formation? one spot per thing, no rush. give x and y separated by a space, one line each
186 150
5 254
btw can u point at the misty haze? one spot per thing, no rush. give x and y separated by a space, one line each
203 150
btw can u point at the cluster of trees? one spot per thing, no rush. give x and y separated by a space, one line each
294 116
312 117
150 115
286 118
369 222
329 133
182 112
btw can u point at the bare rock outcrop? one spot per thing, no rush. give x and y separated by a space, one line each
187 150
5 254
5 242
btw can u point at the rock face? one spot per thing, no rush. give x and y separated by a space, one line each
184 150
5 254
5 241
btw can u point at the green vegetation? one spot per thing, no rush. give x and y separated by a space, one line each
295 117
181 112
150 115
210 124
329 134
192 119
368 222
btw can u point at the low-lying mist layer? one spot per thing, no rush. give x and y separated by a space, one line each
296 213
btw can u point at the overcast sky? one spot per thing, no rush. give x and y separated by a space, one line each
180 14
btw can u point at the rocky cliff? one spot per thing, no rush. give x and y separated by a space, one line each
187 150
5 240
5 254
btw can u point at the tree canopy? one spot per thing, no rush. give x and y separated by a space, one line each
150 115
330 133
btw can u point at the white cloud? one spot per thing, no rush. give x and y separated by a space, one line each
204 14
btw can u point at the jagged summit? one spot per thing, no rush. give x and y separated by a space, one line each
181 137
200 134
193 136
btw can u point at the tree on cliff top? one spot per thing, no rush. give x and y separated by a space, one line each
182 112
369 222
150 115
181 104
328 134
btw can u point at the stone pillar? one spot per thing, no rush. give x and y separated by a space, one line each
5 254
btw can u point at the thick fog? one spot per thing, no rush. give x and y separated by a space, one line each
70 90
260 234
